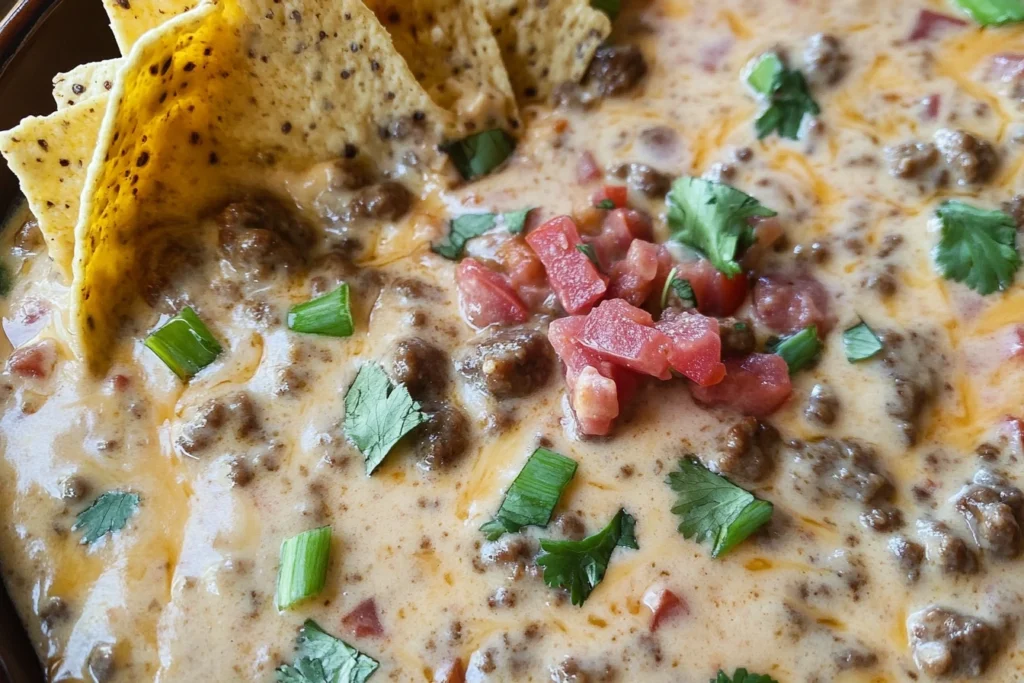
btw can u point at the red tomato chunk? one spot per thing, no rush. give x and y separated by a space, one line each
787 304
35 361
663 604
618 231
696 348
634 277
625 335
574 278
716 294
756 385
486 298
618 195
363 620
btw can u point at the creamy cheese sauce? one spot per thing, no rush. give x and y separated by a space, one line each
186 590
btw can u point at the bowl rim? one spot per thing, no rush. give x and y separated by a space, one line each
18 24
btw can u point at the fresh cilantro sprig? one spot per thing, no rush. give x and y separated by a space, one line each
109 513
579 566
861 343
712 508
713 218
788 100
798 350
480 153
533 495
681 287
378 415
470 225
976 246
993 12
741 676
322 658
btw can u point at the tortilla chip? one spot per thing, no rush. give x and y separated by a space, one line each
450 48
129 19
84 82
546 44
51 155
205 104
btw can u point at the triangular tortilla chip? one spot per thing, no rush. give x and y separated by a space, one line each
84 82
545 44
129 19
51 155
205 103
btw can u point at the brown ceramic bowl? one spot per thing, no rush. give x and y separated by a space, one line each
38 39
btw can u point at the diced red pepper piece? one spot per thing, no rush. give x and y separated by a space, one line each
717 295
789 303
625 335
486 298
756 385
930 23
574 278
633 278
618 195
696 349
663 604
363 621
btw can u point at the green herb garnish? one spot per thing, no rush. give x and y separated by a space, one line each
588 251
303 570
741 676
977 247
580 565
481 153
798 350
378 415
109 513
712 508
515 221
322 658
605 204
713 218
470 225
993 12
185 344
788 99
533 495
329 315
682 289
609 7
762 72
860 343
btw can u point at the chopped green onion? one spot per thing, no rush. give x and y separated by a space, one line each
682 289
860 343
762 72
993 12
588 251
605 204
609 7
329 315
481 153
533 495
303 570
798 350
185 344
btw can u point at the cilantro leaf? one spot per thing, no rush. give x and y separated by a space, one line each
789 99
713 219
580 565
322 658
108 514
605 204
860 342
378 415
993 12
681 288
462 230
532 497
798 350
480 153
977 247
588 251
711 507
741 676
515 221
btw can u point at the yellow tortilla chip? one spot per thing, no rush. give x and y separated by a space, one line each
545 44
84 82
205 104
51 155
129 19
451 50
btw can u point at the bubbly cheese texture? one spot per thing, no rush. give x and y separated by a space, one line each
252 451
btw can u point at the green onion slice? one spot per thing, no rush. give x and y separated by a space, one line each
185 344
481 153
609 7
798 350
993 12
860 343
533 495
303 570
329 315
762 72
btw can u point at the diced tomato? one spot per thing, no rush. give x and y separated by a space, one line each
587 170
632 279
1007 67
789 303
929 24
618 230
35 361
663 604
451 672
618 195
756 385
930 107
595 399
1013 429
521 265
625 335
485 297
767 231
363 621
716 294
1016 342
571 274
696 348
